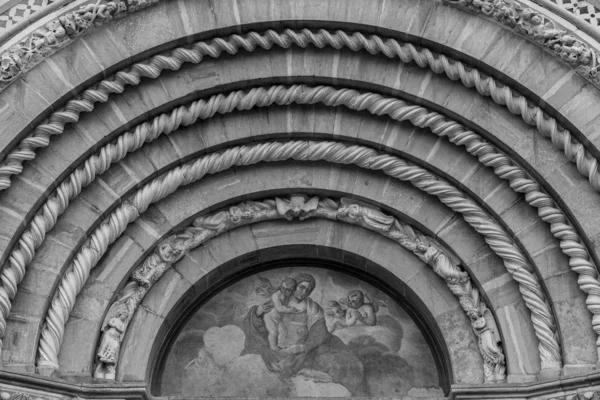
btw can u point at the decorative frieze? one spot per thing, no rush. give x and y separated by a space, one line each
299 207
58 33
540 29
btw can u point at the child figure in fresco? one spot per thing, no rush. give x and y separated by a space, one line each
273 318
353 309
359 310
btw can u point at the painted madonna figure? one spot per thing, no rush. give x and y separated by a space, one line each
300 332
305 343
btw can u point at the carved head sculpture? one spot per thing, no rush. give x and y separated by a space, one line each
55 31
305 284
8 67
536 19
351 211
568 40
356 298
122 315
477 320
237 213
68 22
170 251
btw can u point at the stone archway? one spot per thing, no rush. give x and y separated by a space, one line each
489 110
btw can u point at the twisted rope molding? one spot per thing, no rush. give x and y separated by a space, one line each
95 247
503 166
27 247
298 206
470 77
166 123
561 138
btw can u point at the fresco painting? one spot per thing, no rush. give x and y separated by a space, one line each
300 332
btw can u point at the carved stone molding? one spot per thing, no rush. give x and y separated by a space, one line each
58 33
497 238
13 273
17 393
525 21
488 155
561 138
300 207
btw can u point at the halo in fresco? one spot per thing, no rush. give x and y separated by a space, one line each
300 332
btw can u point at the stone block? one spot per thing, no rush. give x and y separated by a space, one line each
520 216
536 237
120 179
72 228
166 26
77 353
138 165
116 265
161 154
213 132
403 197
521 344
187 142
433 291
25 99
51 162
502 291
276 234
29 304
354 239
196 265
553 80
19 344
396 259
462 238
168 292
485 266
148 228
195 17
141 333
501 198
100 196
396 135
75 66
433 214
108 49
444 156
412 15
550 261
422 144
578 337
466 360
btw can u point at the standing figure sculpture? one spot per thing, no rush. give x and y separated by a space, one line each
110 345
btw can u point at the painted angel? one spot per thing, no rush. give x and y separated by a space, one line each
353 309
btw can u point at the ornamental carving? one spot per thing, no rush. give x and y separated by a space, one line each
541 30
299 207
58 33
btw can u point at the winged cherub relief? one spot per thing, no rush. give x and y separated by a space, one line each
297 207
